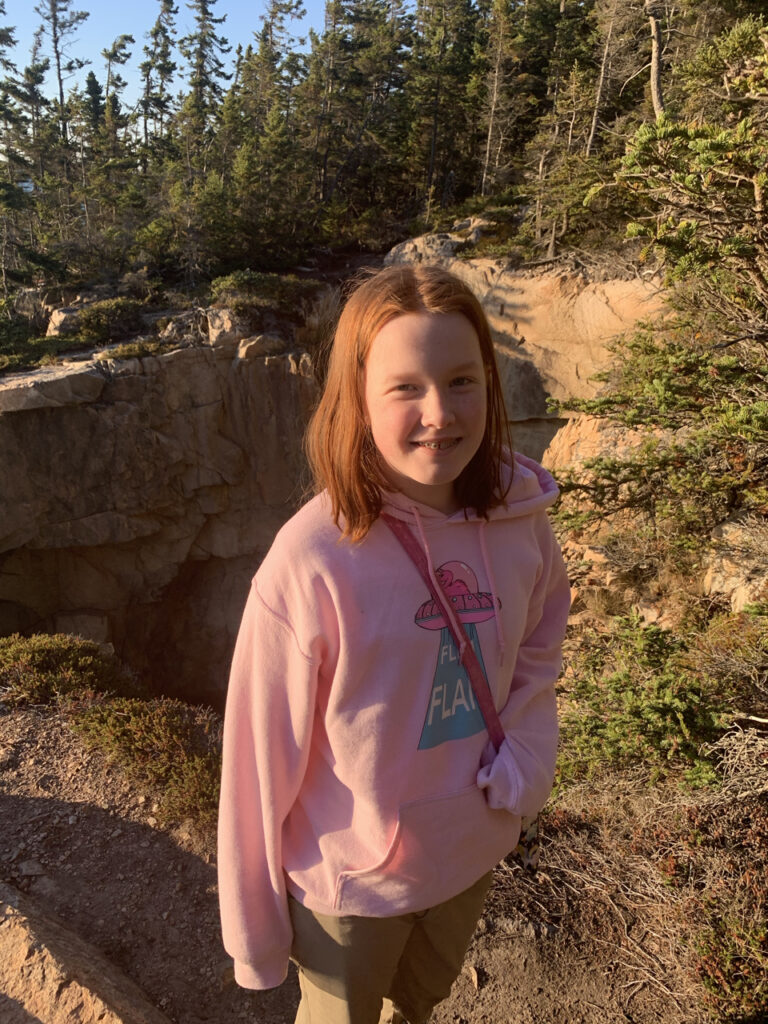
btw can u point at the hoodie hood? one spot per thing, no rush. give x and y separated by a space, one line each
529 488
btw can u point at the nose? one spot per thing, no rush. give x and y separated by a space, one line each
437 410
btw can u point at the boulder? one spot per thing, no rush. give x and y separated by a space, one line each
225 328
261 345
191 325
51 976
58 387
737 568
65 320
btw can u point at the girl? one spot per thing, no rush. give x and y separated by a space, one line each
363 803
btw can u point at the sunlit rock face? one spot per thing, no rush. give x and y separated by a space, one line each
50 974
139 497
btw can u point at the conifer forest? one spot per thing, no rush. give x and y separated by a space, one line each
570 118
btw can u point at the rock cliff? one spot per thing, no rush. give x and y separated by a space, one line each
139 495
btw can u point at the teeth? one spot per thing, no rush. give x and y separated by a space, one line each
436 445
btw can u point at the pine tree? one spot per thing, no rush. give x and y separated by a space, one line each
60 23
445 142
21 108
157 73
203 51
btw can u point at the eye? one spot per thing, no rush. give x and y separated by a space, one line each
404 387
463 381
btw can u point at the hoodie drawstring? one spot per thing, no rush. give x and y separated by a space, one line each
494 599
488 572
436 583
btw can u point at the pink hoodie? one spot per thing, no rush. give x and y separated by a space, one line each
358 775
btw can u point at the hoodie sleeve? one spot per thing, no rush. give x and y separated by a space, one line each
268 719
519 777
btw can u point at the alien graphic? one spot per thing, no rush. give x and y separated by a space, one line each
453 712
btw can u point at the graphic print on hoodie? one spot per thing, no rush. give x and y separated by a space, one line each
453 713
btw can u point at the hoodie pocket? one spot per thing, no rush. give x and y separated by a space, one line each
440 847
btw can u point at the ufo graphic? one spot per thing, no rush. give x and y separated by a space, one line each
453 712
461 588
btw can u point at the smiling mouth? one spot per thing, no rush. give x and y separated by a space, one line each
438 446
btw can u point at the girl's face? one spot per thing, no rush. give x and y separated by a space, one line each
426 402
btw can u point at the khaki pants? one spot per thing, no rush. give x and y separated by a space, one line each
381 970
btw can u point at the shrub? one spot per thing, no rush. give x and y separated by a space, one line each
110 319
137 349
729 939
246 289
710 463
164 742
635 704
733 649
41 668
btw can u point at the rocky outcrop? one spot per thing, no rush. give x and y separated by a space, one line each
557 322
52 976
140 495
65 320
737 567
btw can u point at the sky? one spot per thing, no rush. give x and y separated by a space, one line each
108 20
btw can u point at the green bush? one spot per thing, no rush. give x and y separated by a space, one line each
41 668
109 320
637 703
727 853
247 289
164 742
138 349
732 961
707 459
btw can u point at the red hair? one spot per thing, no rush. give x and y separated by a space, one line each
342 456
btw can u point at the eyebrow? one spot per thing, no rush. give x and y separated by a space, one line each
473 365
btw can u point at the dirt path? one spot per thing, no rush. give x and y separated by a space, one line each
85 843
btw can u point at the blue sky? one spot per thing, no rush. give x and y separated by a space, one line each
109 19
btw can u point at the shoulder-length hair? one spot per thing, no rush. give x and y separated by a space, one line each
341 453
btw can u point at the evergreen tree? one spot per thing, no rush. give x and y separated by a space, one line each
117 55
21 106
157 73
31 106
703 187
203 50
526 45
93 103
60 23
445 142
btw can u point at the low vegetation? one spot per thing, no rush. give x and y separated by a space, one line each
170 746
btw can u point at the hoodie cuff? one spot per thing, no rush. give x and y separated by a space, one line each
268 974
500 779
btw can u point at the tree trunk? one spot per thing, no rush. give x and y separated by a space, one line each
654 11
492 115
601 83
